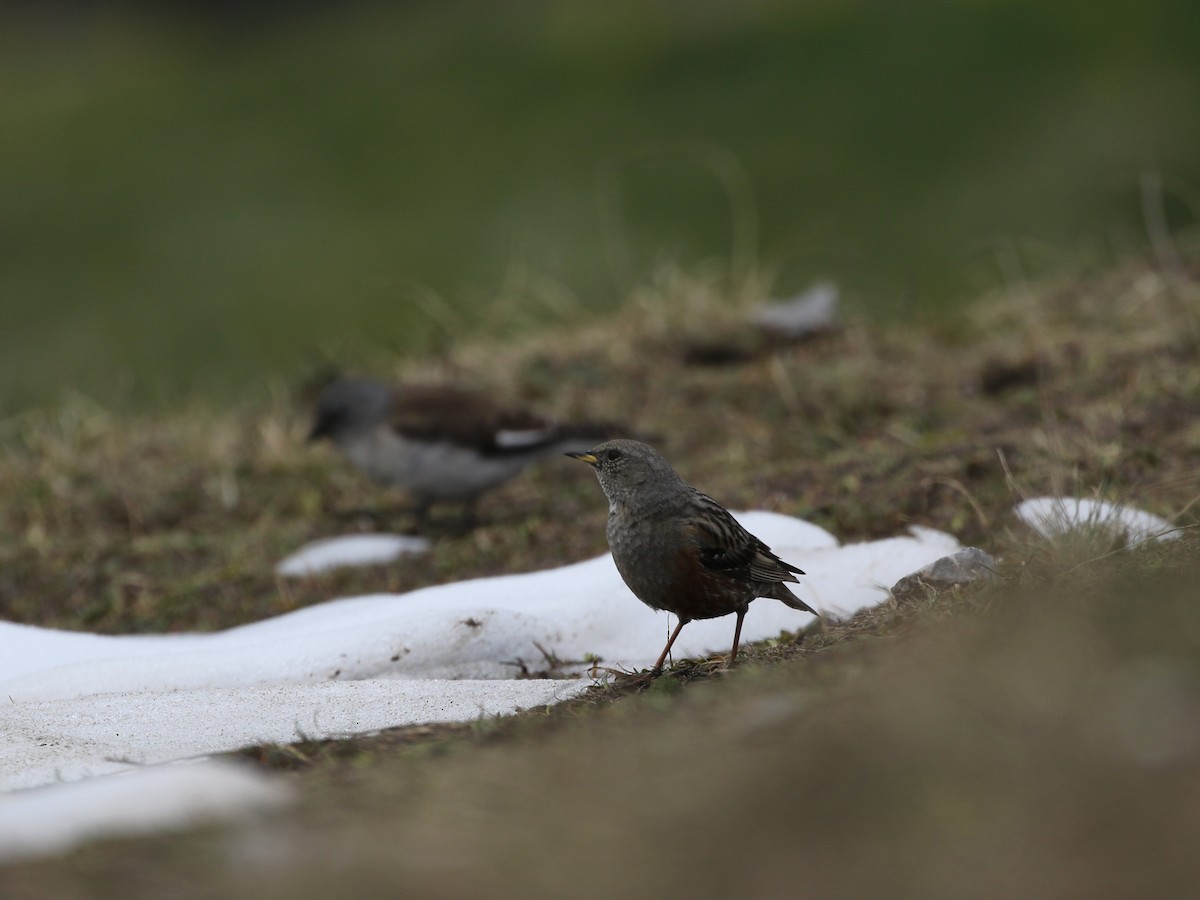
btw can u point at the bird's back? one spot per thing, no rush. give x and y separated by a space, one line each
683 552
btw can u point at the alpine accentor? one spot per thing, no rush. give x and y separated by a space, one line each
679 549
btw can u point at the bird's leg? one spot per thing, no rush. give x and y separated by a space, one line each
667 649
737 636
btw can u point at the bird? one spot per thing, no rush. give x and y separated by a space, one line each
678 549
440 442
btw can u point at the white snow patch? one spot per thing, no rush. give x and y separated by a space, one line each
1053 516
66 740
811 312
351 550
470 629
75 706
51 820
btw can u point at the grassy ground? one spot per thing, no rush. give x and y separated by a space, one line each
1036 737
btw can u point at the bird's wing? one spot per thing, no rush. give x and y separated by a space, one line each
727 547
467 418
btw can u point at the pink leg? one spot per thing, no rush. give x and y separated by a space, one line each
667 649
737 637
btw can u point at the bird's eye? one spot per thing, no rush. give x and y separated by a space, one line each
613 455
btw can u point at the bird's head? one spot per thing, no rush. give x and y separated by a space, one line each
630 472
348 406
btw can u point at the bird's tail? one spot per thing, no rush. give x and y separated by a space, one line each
782 593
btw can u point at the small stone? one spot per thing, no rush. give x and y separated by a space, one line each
967 565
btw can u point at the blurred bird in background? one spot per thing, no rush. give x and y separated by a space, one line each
440 443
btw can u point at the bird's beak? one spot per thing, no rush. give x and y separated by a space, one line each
590 458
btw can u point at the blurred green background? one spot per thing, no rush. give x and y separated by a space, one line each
192 201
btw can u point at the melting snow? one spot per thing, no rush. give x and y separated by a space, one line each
76 709
352 550
1052 516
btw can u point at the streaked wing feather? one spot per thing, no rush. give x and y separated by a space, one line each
725 546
